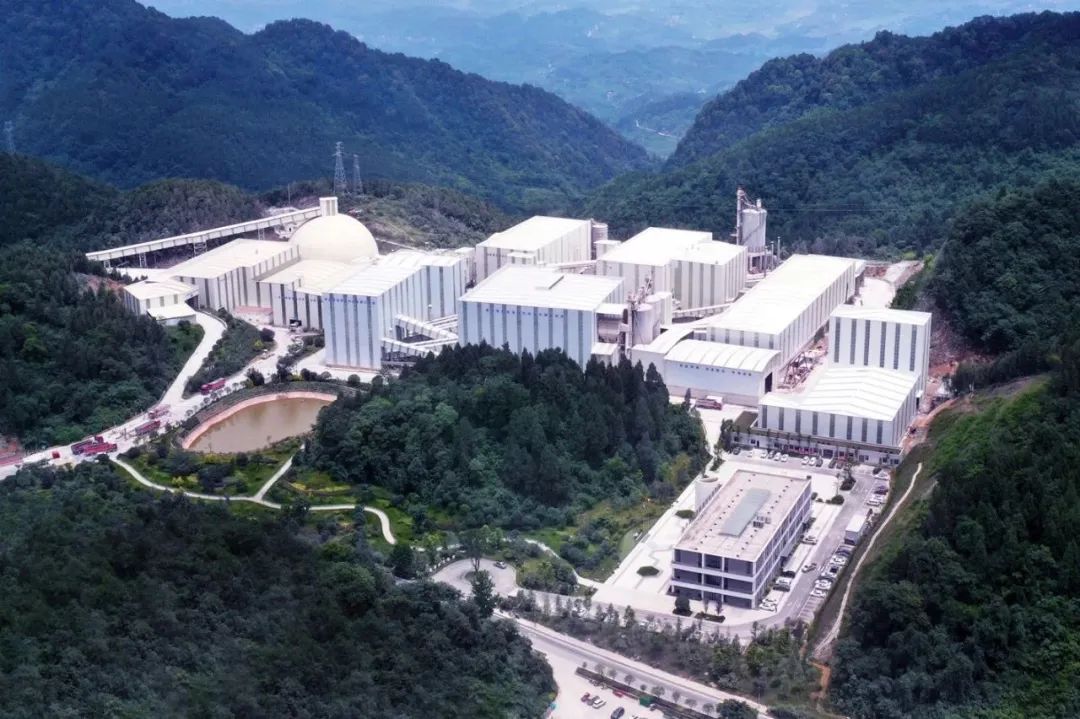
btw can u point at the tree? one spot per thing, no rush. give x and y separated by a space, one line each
256 377
483 592
266 335
403 560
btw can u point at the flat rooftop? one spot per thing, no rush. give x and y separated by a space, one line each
726 526
415 258
238 253
313 276
774 303
656 246
718 354
373 280
534 233
543 287
880 314
869 392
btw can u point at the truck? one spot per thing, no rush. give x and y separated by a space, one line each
212 386
147 428
99 448
81 447
711 402
853 533
159 411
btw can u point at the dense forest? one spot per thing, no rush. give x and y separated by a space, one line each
117 602
1009 274
74 360
976 613
885 176
161 97
488 437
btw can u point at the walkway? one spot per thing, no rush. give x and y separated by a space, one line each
825 645
259 497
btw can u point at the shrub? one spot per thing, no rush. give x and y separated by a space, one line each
685 514
837 499
682 606
648 571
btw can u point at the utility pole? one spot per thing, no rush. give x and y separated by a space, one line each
340 188
358 186
9 137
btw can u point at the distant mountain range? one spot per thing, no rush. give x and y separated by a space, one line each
126 94
614 58
873 147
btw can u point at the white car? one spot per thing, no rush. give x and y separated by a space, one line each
825 584
783 457
819 593
805 460
838 560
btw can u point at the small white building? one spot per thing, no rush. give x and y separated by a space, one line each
843 408
537 241
698 271
227 276
739 374
740 538
785 310
533 308
884 338
145 296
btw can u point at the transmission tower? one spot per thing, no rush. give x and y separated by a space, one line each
357 184
340 188
9 137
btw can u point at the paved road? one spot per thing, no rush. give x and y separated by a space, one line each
825 645
572 653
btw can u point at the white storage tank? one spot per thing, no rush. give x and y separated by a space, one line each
599 231
704 488
752 227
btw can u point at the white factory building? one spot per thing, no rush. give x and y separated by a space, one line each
696 270
786 310
739 538
738 374
227 276
536 308
538 241
884 338
157 297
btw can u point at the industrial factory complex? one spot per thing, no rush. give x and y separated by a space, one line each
722 320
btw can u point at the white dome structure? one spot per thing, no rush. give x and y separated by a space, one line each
334 237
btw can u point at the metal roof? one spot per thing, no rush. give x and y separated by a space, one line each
869 392
774 303
719 528
149 289
542 287
718 354
903 317
415 258
228 257
534 233
314 276
373 280
656 246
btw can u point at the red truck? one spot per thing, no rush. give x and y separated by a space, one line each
81 447
148 427
99 448
212 386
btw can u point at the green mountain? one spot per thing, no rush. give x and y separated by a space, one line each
878 171
126 94
119 602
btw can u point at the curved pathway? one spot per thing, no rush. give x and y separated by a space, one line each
584 581
259 497
834 631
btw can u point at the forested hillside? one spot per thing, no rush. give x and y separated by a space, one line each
885 176
128 95
976 612
786 89
519 442
118 602
1009 274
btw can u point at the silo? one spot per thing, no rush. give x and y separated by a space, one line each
599 231
704 488
752 228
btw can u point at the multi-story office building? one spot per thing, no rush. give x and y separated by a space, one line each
740 538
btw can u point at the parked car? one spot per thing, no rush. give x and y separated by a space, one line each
838 559
820 461
783 457
819 593
618 713
736 450
586 697
810 567
832 571
809 539
500 564
823 584
805 460
881 489
597 702
768 605
832 463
